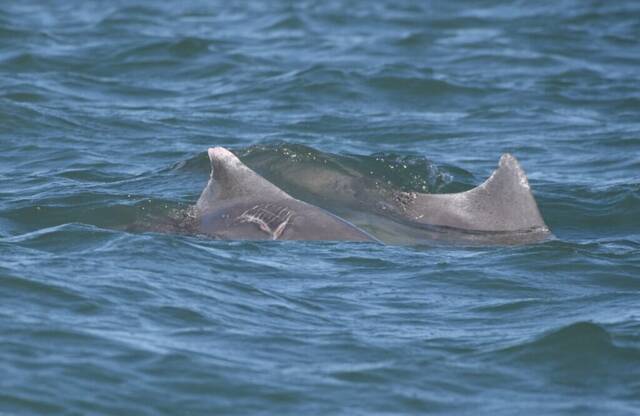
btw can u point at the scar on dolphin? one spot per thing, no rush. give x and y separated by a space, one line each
271 218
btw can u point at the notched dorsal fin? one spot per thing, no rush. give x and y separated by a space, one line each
230 178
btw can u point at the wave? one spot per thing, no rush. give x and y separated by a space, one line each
592 208
580 348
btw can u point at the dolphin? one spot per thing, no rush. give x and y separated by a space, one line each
502 203
502 209
239 204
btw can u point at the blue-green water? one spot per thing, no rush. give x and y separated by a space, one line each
106 112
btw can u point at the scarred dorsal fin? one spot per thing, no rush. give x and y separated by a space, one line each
230 178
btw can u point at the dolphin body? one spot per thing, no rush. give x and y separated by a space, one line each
503 203
239 204
501 210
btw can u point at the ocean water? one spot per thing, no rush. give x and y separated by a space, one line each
106 112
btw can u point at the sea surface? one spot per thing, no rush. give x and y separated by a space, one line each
107 110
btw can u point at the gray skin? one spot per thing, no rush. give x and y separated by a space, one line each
500 210
239 204
502 203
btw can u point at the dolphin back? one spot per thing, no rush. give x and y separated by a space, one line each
503 203
231 179
237 203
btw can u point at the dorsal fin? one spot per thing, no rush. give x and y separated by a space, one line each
507 196
504 202
230 178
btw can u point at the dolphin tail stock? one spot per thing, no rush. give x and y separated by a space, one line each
503 203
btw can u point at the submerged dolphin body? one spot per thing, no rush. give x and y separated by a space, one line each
239 204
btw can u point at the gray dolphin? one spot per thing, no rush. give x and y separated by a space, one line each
239 204
500 210
503 203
